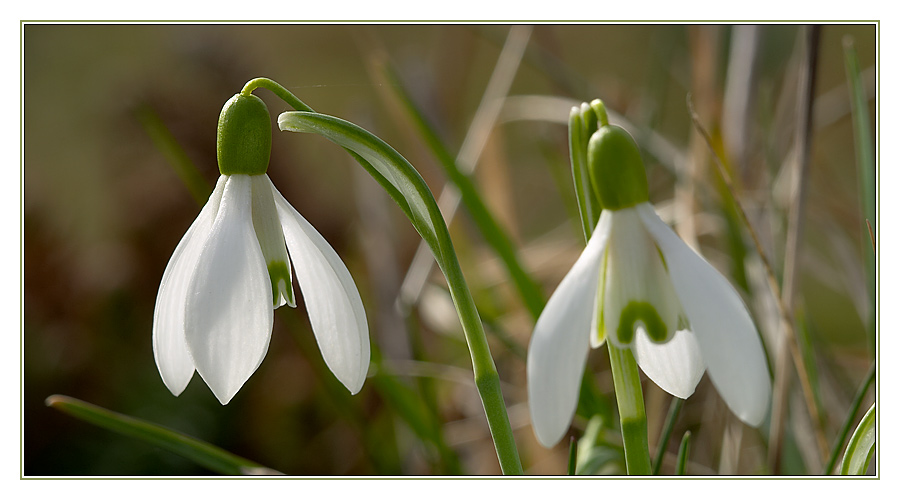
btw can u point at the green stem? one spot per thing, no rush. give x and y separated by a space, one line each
487 380
633 420
276 88
411 192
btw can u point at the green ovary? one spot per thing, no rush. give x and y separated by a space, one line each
645 313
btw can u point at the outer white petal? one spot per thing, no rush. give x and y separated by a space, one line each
721 322
335 309
169 347
559 345
675 366
228 317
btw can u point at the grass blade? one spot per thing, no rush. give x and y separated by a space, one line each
573 454
195 450
671 417
175 154
683 451
865 164
484 220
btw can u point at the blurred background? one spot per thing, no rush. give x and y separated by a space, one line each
104 208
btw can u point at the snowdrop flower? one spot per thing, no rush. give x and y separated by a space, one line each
639 286
231 270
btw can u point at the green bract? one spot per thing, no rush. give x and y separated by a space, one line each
616 169
244 137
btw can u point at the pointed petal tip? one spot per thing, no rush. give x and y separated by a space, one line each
548 438
553 371
170 352
174 364
755 411
333 302
177 388
721 322
560 343
354 380
228 314
223 397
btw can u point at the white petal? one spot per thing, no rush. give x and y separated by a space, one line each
675 366
727 336
228 317
169 347
335 309
559 345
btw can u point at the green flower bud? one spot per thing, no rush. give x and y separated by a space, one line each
616 169
244 137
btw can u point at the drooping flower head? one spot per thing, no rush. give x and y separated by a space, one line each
214 309
639 286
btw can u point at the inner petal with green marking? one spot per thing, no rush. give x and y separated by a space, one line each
282 291
635 289
271 241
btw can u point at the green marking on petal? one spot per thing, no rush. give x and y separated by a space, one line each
280 276
662 257
645 313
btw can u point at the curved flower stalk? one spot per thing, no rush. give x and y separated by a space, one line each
404 184
640 287
232 268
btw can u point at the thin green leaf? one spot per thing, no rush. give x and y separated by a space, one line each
861 446
199 452
174 153
865 165
573 455
671 417
845 429
683 451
